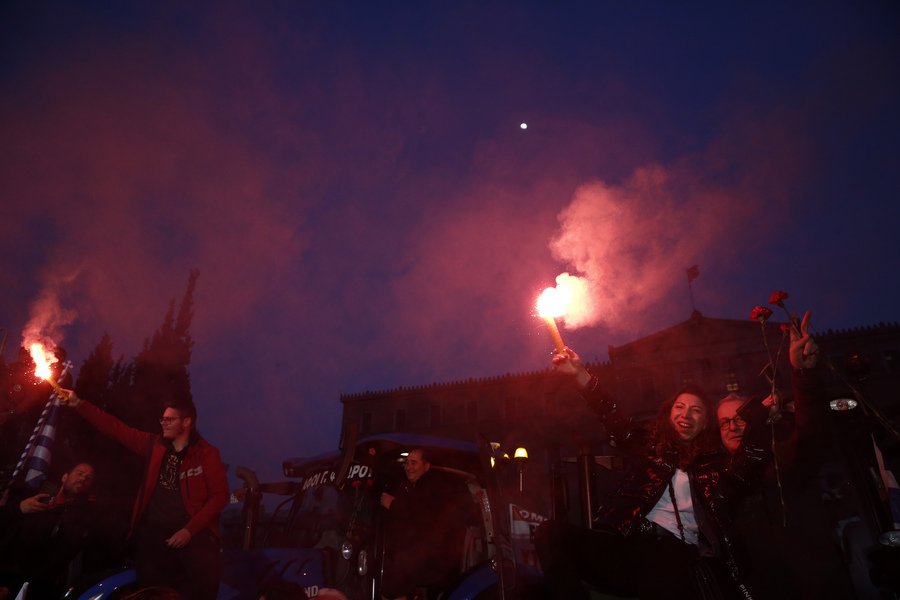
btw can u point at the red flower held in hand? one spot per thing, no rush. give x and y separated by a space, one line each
760 313
778 298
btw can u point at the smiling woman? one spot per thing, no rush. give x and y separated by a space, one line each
689 416
684 426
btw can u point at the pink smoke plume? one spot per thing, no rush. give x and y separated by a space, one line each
48 315
582 307
629 244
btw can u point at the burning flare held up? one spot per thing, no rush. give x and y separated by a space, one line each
551 304
43 363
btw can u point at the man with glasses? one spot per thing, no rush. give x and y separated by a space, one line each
176 514
731 425
784 525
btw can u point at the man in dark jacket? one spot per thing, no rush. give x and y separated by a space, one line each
784 525
175 519
426 527
45 534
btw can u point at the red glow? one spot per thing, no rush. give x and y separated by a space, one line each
43 360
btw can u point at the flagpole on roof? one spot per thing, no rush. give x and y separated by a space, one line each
692 274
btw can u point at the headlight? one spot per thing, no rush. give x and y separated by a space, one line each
842 404
347 549
362 563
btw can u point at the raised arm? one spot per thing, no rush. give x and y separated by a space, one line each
570 365
133 439
804 352
806 380
618 425
810 403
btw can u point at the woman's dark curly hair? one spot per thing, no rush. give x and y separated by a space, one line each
665 439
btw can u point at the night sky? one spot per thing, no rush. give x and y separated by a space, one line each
366 211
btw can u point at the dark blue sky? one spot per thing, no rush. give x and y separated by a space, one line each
353 184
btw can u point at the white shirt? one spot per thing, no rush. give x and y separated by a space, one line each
663 514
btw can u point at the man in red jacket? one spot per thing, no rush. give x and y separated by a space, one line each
176 515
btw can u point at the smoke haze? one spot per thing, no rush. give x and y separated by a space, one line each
366 213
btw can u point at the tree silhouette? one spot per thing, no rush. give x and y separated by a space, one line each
100 381
95 373
160 370
135 393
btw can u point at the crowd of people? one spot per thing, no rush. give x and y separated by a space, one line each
719 499
174 531
701 511
175 522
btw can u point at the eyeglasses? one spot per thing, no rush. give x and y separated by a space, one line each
168 420
738 422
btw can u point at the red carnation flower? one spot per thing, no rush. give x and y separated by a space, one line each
760 313
778 298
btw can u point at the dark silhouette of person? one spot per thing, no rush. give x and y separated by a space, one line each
426 528
49 532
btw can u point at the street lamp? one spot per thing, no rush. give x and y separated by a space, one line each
520 457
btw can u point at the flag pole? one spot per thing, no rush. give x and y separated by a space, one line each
691 290
692 274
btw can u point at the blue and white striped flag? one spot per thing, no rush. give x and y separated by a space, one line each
36 464
32 468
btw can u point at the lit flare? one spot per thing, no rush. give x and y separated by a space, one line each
43 360
551 304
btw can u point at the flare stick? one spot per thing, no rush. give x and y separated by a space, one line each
554 333
59 391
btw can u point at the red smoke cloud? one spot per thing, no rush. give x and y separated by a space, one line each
632 242
365 220
132 185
